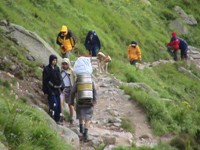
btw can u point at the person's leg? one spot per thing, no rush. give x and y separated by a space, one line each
85 133
133 62
94 51
71 112
175 55
183 54
57 108
51 106
81 127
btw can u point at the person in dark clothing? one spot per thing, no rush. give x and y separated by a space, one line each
51 85
92 43
184 48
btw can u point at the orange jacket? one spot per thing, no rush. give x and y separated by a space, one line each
134 53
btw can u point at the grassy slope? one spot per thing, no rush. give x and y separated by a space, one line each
117 23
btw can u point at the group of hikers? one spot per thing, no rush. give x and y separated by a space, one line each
71 85
176 43
75 85
61 86
66 41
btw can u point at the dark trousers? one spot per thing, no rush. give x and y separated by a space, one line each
133 62
175 52
183 54
94 50
54 105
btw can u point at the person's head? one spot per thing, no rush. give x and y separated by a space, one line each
173 34
133 43
66 64
52 60
64 30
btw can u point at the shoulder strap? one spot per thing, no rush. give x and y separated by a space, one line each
66 74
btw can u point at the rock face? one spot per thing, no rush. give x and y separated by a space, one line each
188 19
38 49
178 26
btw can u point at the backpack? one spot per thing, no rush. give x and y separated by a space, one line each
183 44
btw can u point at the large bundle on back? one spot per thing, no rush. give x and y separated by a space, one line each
83 70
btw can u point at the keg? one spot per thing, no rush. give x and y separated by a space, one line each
84 86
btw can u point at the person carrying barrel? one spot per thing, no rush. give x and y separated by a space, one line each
85 92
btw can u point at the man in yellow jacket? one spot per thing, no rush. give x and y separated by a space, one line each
134 53
66 41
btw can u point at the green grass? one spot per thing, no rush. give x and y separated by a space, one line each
25 127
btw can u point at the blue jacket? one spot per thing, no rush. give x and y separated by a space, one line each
92 41
183 45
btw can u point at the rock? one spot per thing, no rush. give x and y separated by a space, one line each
178 26
109 140
38 48
188 19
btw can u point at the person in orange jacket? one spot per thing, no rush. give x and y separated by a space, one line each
174 45
134 53
66 41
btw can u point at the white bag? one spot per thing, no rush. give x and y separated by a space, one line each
82 66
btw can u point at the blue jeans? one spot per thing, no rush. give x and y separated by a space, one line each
54 105
94 50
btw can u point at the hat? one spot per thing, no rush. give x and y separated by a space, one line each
66 60
173 34
64 29
133 43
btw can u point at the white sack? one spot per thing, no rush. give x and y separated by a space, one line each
82 66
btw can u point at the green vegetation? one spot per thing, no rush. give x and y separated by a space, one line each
25 127
117 23
126 124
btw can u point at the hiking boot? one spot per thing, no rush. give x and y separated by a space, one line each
85 135
81 128
61 118
71 121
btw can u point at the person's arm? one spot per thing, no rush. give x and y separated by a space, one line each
94 93
73 94
58 40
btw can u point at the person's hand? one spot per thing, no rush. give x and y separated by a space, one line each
94 103
63 48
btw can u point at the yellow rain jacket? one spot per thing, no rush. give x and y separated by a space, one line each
134 53
65 40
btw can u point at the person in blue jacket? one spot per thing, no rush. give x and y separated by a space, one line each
183 46
92 43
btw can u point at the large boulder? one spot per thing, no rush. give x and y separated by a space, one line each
179 26
188 19
38 49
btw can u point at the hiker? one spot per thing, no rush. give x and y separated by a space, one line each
66 41
68 80
92 43
184 48
173 46
84 88
52 83
134 53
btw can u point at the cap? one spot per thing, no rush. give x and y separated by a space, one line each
173 34
64 29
